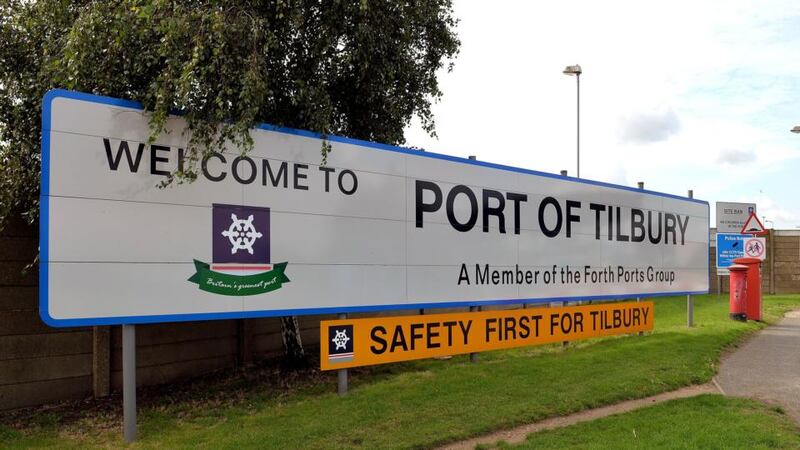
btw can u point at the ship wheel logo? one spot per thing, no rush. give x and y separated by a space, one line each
242 234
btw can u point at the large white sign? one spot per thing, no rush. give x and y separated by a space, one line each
731 216
380 227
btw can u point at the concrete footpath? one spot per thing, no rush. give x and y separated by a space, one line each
767 367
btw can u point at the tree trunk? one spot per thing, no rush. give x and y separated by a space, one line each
292 344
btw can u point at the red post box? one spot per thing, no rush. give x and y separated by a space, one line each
738 292
753 308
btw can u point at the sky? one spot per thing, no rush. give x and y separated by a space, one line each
680 95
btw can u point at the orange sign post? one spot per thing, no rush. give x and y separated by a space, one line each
380 340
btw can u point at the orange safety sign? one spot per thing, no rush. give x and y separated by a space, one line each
380 340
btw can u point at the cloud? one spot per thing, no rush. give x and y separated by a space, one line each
705 108
645 127
734 156
774 211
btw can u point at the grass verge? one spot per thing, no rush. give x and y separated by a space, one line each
426 403
706 421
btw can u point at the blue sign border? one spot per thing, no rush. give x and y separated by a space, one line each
44 226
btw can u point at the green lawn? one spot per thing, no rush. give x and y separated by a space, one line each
426 403
703 422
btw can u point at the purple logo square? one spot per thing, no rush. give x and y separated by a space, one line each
240 234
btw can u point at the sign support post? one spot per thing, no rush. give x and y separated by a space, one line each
473 357
689 299
638 300
341 374
129 382
640 185
772 260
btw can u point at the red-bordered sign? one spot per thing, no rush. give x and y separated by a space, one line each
754 226
756 247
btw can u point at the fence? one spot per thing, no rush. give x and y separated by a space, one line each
39 364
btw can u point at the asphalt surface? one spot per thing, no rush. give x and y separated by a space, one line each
767 367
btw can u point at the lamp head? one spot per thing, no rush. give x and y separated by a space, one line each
796 129
573 70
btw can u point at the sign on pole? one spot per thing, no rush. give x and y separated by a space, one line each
753 226
381 340
274 233
731 216
731 246
755 247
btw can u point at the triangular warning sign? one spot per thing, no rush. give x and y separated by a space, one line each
753 226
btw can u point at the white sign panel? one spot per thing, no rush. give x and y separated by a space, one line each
731 216
756 247
380 227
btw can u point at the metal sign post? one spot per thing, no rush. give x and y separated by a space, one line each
473 357
640 185
341 374
129 382
639 300
689 300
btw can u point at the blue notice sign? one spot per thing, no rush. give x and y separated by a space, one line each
729 247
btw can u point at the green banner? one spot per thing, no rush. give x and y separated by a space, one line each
227 284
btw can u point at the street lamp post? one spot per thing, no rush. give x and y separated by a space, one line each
576 70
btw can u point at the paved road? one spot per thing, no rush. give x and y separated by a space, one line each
767 367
